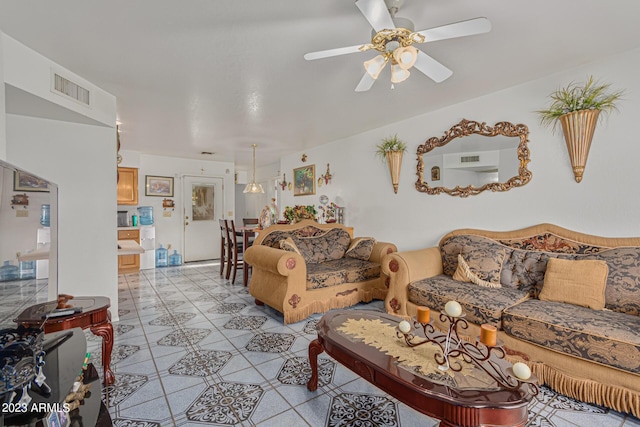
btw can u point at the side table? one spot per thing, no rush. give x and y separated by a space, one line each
95 315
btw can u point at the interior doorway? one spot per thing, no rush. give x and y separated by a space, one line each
201 213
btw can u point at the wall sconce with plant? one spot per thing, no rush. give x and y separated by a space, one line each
392 149
577 107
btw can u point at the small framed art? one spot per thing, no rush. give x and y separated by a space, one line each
22 181
304 180
161 186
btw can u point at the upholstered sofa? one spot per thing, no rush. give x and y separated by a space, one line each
565 303
305 268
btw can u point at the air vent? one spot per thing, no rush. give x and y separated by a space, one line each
469 159
70 89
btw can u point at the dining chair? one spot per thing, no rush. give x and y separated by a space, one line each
224 252
235 247
250 221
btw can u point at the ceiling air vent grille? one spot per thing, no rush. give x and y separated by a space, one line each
72 90
469 159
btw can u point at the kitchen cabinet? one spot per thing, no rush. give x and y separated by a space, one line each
129 263
127 186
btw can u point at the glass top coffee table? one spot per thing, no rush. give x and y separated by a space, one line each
365 342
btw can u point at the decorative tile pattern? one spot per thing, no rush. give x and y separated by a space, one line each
245 322
227 308
164 305
172 319
123 312
134 423
214 297
363 410
297 371
118 354
125 386
201 363
184 337
225 403
310 327
271 342
120 329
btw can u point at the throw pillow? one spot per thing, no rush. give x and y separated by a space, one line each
577 282
465 274
288 245
361 248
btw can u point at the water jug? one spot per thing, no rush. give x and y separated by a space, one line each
45 215
146 215
175 258
27 270
162 257
9 272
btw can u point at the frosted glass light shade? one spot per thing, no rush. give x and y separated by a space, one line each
398 74
405 56
374 66
253 187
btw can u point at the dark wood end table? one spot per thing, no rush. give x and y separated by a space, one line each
454 407
95 315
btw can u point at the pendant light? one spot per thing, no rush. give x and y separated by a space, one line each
253 186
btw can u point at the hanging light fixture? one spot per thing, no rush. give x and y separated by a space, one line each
253 187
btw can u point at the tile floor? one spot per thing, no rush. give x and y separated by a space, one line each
192 349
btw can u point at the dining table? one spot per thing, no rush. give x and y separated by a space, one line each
246 232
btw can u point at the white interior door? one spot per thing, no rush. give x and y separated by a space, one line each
201 213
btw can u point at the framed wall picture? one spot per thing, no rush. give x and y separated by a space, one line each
304 180
161 186
22 181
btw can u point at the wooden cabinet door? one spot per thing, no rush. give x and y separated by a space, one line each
127 186
128 263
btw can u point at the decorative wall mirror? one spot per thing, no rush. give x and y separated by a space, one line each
473 163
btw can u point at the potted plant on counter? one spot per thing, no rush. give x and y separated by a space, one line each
392 149
577 107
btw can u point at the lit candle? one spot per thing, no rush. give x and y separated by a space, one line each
453 308
488 335
404 327
424 314
521 371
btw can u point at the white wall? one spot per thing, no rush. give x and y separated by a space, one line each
81 160
170 229
3 123
604 203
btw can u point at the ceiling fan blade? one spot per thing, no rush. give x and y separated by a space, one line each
457 29
365 83
375 11
332 52
432 68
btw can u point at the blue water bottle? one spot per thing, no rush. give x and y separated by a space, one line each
175 258
162 257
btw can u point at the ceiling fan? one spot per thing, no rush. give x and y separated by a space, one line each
394 38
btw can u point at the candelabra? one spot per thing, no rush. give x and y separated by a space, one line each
486 354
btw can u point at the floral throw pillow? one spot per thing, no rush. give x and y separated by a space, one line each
361 248
465 274
288 245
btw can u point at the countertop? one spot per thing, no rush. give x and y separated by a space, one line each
129 247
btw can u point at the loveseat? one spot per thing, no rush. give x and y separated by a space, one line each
565 303
305 268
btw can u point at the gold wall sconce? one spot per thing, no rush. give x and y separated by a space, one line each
327 175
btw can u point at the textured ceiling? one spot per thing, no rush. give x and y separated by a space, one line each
207 75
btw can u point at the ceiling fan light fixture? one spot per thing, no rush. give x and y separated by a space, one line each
374 66
398 74
253 187
405 57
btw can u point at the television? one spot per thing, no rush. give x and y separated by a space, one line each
28 241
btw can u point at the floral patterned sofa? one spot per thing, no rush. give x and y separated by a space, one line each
565 303
305 268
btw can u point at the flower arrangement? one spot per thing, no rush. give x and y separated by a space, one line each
390 144
591 95
299 212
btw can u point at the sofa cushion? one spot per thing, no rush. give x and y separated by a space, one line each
464 273
623 284
481 305
606 337
579 282
331 245
288 245
361 248
484 256
337 272
524 269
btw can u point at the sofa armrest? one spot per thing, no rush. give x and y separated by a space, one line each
404 268
380 249
276 261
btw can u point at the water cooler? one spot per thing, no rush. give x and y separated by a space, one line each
148 243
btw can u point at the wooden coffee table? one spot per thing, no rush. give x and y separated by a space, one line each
493 406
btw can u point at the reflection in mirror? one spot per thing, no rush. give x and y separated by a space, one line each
472 162
28 241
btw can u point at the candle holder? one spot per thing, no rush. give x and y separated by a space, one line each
452 347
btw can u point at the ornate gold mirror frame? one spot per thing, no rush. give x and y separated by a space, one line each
466 128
